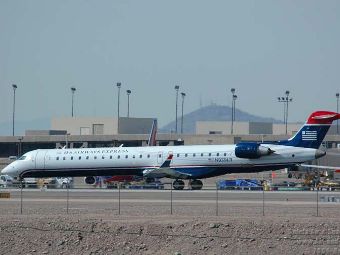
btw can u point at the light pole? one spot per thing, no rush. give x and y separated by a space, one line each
73 89
337 110
14 88
183 95
233 99
118 86
128 92
176 88
20 146
285 100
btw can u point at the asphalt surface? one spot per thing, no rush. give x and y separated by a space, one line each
163 202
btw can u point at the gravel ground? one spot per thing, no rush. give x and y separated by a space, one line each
107 234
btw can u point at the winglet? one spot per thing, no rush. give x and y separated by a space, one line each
323 117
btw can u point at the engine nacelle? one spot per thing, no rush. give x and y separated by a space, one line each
251 150
91 180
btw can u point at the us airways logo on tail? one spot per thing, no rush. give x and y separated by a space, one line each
309 135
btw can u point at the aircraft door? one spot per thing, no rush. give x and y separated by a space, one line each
40 159
160 157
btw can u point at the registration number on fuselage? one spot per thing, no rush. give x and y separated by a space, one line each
223 160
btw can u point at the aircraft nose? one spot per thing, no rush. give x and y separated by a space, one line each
8 170
319 153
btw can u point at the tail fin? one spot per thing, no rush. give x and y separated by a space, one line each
313 131
153 133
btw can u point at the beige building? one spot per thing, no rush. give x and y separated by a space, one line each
102 125
245 128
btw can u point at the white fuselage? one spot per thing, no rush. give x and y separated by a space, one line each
197 161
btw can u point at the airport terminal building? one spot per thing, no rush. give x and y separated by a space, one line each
108 132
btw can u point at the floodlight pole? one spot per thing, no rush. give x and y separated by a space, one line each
118 86
176 88
285 100
14 86
73 89
183 96
128 92
233 99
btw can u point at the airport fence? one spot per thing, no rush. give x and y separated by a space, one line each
146 200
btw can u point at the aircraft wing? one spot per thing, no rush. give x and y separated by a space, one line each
165 171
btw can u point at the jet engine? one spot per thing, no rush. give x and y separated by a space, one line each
91 180
251 150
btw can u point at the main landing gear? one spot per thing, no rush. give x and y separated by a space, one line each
178 184
193 184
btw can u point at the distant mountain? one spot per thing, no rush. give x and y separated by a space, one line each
212 113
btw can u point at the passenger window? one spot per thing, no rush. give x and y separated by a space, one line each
201 154
148 155
57 158
95 157
159 155
178 155
71 158
103 157
64 158
87 157
194 155
225 154
209 154
217 154
133 156
111 157
118 157
126 156
140 156
79 157
186 155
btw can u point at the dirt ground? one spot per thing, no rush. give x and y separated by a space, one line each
108 234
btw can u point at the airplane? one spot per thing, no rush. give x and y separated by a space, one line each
192 162
94 180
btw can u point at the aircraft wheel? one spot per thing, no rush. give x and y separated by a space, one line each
196 184
178 184
150 180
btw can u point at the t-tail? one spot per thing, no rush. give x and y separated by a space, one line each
313 131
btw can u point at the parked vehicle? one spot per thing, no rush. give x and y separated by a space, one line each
6 181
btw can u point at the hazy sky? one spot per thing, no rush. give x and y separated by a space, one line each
261 48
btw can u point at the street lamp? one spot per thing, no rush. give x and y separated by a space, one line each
73 89
176 88
285 100
128 92
234 97
118 86
337 110
14 88
183 95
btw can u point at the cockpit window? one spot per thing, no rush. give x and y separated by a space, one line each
22 157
